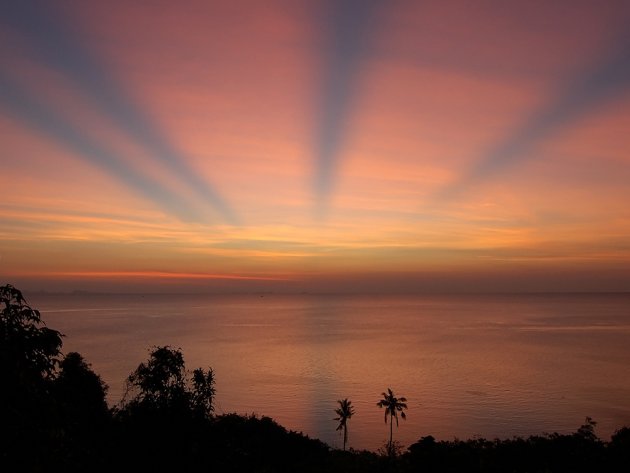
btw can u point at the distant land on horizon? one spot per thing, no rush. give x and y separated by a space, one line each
81 292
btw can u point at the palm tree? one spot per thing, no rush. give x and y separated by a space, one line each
344 411
393 405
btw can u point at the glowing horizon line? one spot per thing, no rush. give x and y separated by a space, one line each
156 274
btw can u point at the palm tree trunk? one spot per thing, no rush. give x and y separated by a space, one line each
345 436
391 433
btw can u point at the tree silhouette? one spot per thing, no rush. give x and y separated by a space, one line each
166 413
345 411
28 349
162 384
83 427
29 356
393 406
80 392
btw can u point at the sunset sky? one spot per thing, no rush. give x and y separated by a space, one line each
315 145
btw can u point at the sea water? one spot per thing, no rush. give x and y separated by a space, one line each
469 365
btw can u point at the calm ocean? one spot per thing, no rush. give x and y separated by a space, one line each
491 366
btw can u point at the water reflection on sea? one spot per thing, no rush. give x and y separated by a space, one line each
470 365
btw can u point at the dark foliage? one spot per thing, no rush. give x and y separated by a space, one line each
344 412
392 405
162 385
80 392
249 443
29 355
83 419
29 351
578 452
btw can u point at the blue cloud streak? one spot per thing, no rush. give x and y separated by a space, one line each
347 25
580 94
45 119
51 41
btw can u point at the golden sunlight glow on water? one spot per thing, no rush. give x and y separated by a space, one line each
493 366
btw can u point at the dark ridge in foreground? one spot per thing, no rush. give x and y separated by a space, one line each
54 418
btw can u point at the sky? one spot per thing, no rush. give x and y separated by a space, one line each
315 146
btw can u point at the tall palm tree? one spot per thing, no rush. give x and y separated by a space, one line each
393 405
344 411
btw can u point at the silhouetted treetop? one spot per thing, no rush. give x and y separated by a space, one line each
79 390
344 412
163 383
392 405
27 347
